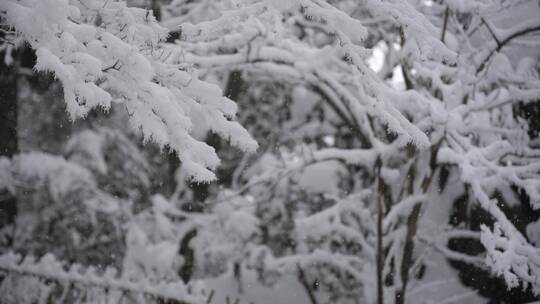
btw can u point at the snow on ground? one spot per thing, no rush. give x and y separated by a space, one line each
440 285
286 291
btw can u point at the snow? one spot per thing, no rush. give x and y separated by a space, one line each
377 122
376 61
322 177
533 232
286 291
82 56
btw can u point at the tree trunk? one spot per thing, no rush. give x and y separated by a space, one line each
305 283
412 220
380 250
8 134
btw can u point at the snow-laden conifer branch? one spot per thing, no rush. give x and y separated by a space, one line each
492 153
270 48
103 51
50 269
460 112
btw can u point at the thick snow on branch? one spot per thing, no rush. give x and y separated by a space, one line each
49 268
63 179
260 41
103 51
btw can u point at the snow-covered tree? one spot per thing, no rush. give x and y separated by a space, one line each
454 122
376 122
104 52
